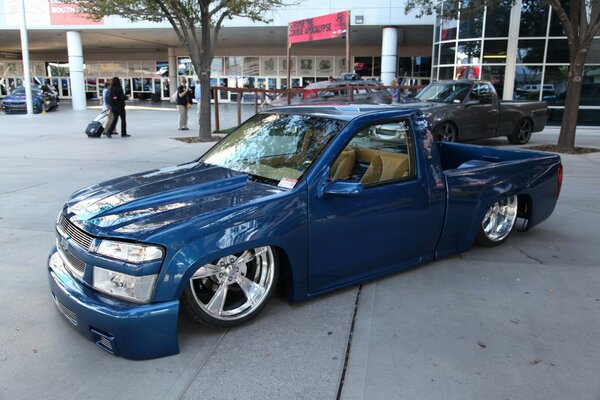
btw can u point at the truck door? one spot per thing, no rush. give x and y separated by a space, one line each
481 113
353 236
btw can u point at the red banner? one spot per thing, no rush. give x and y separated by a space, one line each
318 28
68 14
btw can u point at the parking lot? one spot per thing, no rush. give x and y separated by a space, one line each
520 321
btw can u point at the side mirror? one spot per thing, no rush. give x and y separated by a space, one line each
342 189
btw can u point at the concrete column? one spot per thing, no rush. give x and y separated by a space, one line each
173 69
511 51
389 54
75 51
26 67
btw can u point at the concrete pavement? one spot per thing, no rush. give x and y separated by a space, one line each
520 321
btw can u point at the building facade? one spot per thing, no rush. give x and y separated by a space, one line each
248 54
522 49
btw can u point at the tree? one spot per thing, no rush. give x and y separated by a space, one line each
581 23
197 24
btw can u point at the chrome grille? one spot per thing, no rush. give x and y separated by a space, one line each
80 237
70 315
104 342
74 262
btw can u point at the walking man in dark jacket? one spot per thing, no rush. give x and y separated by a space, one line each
116 101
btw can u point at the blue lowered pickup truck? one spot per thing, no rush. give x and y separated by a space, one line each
317 198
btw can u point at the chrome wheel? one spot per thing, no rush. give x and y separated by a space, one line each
446 133
232 289
500 219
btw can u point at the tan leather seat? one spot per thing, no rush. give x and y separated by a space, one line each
343 165
385 167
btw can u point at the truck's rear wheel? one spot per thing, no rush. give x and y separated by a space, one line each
233 289
522 132
446 132
498 222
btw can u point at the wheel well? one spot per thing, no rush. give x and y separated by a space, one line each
285 271
524 209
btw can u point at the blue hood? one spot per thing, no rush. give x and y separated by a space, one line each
135 206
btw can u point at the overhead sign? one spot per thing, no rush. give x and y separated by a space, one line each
69 14
318 28
46 13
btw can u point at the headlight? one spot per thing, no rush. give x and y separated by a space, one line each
133 253
134 288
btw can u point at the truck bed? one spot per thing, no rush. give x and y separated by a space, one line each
478 176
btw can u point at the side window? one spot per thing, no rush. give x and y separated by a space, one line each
376 154
483 93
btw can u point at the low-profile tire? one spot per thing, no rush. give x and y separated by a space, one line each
446 132
233 289
498 222
522 132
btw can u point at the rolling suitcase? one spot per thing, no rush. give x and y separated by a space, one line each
98 125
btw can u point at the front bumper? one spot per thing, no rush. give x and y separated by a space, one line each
137 332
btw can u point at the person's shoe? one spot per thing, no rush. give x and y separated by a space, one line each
109 135
125 135
186 129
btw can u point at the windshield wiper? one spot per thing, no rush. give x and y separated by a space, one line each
261 179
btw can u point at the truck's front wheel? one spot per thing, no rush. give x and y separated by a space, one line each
446 132
498 222
232 289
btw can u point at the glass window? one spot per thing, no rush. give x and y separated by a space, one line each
251 66
436 54
555 85
325 66
556 28
438 26
269 65
421 66
185 66
404 66
216 66
559 52
468 52
468 72
494 51
494 74
482 93
376 66
283 66
363 66
498 19
531 51
449 29
274 147
233 66
162 69
306 66
593 55
590 91
340 65
379 153
447 53
527 82
471 22
446 73
534 17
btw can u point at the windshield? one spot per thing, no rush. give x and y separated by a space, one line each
444 92
20 91
278 148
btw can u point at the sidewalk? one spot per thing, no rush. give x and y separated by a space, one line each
519 321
